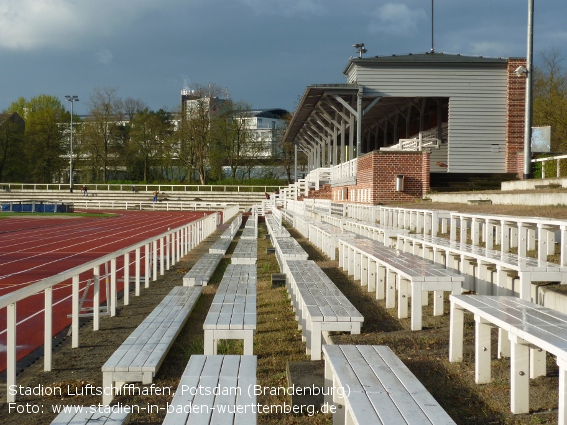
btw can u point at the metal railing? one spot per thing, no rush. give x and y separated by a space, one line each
345 170
173 244
140 187
543 161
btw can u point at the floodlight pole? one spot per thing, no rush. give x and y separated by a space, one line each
71 99
529 89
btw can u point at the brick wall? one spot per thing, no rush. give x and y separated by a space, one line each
376 178
516 104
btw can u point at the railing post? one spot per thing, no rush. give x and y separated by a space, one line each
96 297
161 256
113 295
168 250
137 267
75 313
47 326
154 260
147 266
11 351
126 275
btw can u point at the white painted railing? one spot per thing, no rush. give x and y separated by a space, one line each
151 206
173 244
317 176
543 161
345 170
139 187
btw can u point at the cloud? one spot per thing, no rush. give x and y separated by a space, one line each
396 19
288 8
35 24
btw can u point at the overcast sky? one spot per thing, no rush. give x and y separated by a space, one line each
264 52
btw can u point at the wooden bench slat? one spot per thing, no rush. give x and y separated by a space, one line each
144 350
380 388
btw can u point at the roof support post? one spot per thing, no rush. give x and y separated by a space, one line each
351 139
359 122
343 140
335 137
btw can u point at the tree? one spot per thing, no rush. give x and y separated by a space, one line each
100 131
149 135
195 137
285 152
131 107
12 163
235 141
44 145
550 98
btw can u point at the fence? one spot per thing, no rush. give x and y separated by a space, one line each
142 187
173 244
544 164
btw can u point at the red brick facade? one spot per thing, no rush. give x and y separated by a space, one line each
516 104
376 178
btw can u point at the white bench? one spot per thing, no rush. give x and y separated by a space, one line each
202 270
512 232
288 249
274 228
319 305
385 234
232 228
245 252
426 222
325 236
232 314
524 327
374 387
250 228
232 402
506 265
384 270
220 246
140 356
90 415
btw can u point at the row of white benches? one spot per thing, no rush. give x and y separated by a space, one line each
476 262
369 383
232 314
319 305
387 271
526 330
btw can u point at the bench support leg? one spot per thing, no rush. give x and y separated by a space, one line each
482 287
381 282
364 271
437 303
503 343
390 289
562 419
456 334
537 363
519 376
248 343
371 276
482 351
315 341
210 343
416 306
403 294
107 388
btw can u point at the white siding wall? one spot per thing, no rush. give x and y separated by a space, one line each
477 107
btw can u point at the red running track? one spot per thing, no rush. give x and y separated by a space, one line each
32 249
